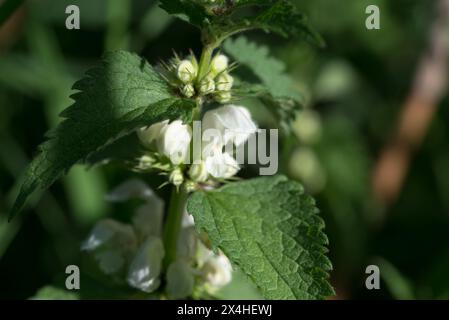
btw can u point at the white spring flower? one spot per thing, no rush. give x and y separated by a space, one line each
219 164
224 82
198 172
234 123
217 270
174 141
186 71
148 135
207 85
146 266
219 64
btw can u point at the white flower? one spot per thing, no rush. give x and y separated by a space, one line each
188 90
220 164
110 242
186 71
174 141
146 266
218 270
207 85
198 172
234 123
224 82
148 135
219 64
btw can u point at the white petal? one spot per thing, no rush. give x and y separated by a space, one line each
146 266
147 220
131 189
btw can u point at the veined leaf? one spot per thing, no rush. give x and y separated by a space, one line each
270 229
123 93
284 19
277 90
218 20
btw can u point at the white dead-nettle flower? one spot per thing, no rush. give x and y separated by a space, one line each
221 164
224 82
219 64
217 270
146 266
188 90
234 123
174 141
198 172
149 135
186 71
207 85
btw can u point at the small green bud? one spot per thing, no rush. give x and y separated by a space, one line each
176 177
186 71
188 90
219 64
223 97
224 82
207 85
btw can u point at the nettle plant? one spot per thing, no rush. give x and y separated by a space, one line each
267 227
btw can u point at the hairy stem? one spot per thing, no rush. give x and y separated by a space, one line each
204 63
173 224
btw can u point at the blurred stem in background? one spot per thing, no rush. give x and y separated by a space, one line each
429 88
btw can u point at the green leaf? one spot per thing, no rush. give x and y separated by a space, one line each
187 10
125 149
271 230
121 94
284 19
54 293
276 89
221 19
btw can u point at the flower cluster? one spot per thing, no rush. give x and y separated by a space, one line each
225 126
135 252
215 82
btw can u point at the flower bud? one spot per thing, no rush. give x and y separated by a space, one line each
219 64
180 280
223 97
186 71
207 85
198 172
224 82
188 90
176 177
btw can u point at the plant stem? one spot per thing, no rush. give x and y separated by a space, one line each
173 224
205 59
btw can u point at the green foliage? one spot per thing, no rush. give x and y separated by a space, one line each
276 89
271 230
54 293
221 19
120 95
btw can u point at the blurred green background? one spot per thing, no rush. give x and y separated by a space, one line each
355 89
